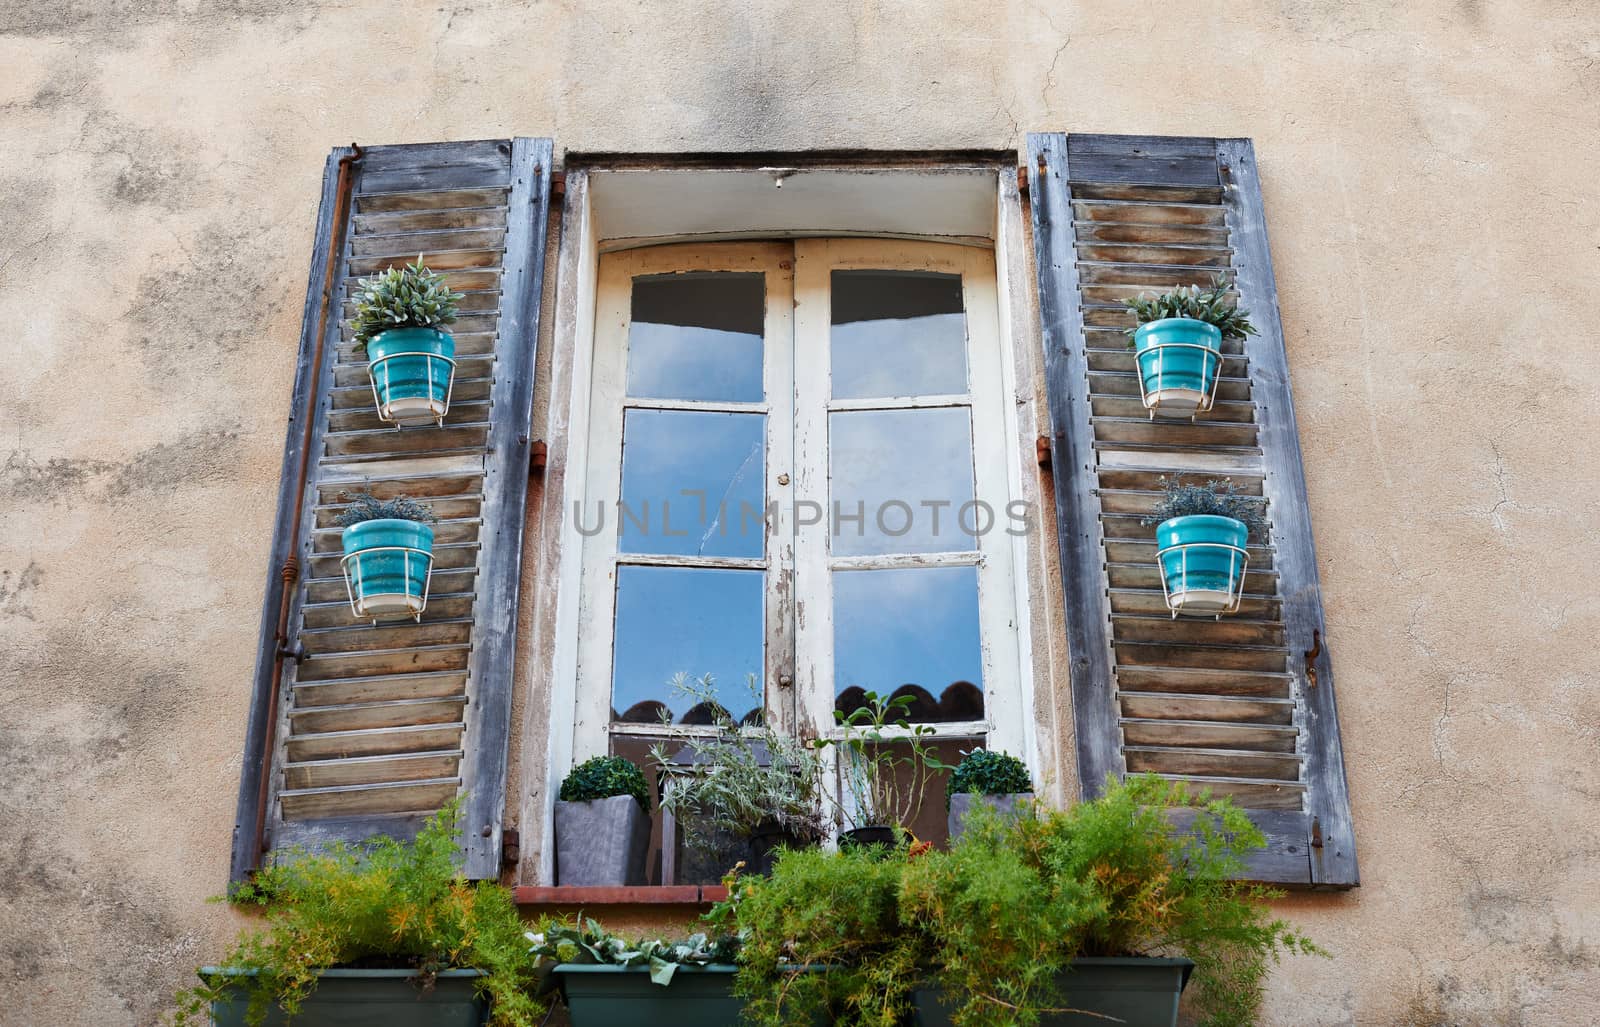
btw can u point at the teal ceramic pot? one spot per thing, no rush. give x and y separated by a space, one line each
1178 377
1130 990
413 388
367 998
1203 579
388 582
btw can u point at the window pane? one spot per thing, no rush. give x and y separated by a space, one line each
908 475
897 333
672 619
718 458
910 631
697 336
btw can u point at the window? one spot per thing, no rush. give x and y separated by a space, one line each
797 477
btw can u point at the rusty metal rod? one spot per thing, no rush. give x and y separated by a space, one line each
291 566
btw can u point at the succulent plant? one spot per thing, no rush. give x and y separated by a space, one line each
364 506
410 296
1209 305
1220 498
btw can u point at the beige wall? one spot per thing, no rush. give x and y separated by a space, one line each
1429 174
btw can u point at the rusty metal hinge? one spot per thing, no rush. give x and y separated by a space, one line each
1041 450
538 454
1316 832
1022 178
558 183
1311 657
510 848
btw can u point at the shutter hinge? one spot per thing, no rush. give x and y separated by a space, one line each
1041 450
1316 832
510 848
558 183
1311 657
1022 178
538 454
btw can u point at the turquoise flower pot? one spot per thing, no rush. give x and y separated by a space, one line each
1206 577
386 566
411 371
1178 359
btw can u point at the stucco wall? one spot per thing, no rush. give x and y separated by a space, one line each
1429 176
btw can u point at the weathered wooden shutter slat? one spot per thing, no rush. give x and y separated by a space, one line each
381 725
1224 704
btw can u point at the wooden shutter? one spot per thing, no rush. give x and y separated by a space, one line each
379 726
1243 705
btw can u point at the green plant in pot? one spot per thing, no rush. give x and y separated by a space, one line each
1177 342
983 777
605 980
388 555
740 793
602 823
885 766
1202 532
1101 910
411 360
389 927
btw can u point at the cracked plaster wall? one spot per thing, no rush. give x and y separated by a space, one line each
1428 170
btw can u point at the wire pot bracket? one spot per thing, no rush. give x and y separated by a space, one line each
361 604
1151 397
441 371
1229 600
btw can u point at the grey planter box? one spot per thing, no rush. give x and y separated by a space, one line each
1136 990
960 804
601 842
368 998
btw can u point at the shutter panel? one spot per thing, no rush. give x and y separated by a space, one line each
375 727
1243 705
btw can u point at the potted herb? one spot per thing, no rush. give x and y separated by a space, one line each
605 980
388 555
388 927
1107 910
1178 345
885 764
410 361
602 824
741 793
1201 533
995 779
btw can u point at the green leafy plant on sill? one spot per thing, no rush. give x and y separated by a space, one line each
364 506
382 904
745 779
410 296
886 762
1217 497
1209 305
601 777
996 920
584 940
988 773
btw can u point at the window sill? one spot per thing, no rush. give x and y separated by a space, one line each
655 895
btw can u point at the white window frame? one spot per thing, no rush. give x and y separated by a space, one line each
617 204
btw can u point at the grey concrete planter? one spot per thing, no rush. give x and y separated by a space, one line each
368 998
601 842
1133 990
962 803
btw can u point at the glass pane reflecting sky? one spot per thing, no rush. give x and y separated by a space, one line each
910 471
697 336
912 629
672 619
721 455
897 333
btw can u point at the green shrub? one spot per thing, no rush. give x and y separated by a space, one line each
1209 305
838 910
1219 498
601 777
996 920
385 903
1016 900
989 773
364 506
402 297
